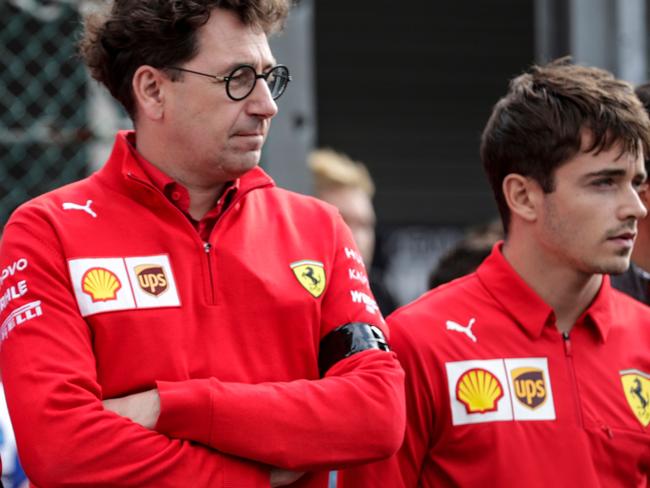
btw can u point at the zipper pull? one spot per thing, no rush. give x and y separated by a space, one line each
207 247
567 343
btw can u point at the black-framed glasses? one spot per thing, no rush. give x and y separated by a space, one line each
241 81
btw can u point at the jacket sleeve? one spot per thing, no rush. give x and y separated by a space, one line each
354 414
64 435
403 470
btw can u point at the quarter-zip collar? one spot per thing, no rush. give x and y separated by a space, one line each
122 167
528 309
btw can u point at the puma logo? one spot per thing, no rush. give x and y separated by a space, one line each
84 208
464 329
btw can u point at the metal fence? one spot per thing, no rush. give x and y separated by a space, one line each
44 132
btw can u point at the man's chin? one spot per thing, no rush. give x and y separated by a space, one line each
616 266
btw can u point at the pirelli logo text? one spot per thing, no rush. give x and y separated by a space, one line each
19 316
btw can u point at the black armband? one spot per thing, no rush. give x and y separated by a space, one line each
347 340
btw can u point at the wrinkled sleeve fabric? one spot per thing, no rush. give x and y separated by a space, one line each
354 414
403 470
64 435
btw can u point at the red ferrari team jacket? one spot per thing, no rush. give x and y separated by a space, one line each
107 290
497 397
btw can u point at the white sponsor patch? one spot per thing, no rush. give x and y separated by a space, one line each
16 291
497 390
361 297
153 281
478 391
113 284
530 385
19 265
19 316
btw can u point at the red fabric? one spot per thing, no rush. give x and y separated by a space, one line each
593 440
178 195
234 349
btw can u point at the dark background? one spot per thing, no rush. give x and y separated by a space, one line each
407 88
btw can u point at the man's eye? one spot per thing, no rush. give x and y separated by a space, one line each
604 182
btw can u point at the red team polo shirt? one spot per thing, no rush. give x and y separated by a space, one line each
107 289
497 397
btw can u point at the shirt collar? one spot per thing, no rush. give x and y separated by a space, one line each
175 192
528 309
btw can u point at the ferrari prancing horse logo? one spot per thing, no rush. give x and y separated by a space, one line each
636 386
311 275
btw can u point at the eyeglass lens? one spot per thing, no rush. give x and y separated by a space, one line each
242 81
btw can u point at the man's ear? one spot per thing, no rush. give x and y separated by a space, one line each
148 92
523 195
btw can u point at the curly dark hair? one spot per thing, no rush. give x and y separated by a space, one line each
158 33
538 125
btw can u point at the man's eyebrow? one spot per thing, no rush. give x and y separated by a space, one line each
236 64
605 172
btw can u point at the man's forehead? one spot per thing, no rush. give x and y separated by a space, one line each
226 39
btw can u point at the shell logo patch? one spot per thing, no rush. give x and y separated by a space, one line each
101 284
479 390
529 386
124 283
151 278
500 390
311 275
636 386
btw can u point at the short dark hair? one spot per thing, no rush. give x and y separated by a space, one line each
643 92
538 125
158 33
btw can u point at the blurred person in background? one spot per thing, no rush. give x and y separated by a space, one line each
347 184
175 319
532 371
466 255
13 475
636 280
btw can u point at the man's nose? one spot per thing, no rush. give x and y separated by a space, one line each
260 102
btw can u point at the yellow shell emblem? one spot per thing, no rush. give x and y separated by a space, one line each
311 275
101 284
479 390
636 386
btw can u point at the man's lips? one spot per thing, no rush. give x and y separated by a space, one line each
623 237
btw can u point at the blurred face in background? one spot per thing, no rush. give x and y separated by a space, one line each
355 207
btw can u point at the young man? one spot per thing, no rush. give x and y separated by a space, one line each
533 371
348 186
636 280
176 319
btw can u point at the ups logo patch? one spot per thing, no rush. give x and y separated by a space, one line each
151 278
530 387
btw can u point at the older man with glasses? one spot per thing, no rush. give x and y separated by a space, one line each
175 319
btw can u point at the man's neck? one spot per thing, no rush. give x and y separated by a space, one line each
202 200
203 195
567 291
